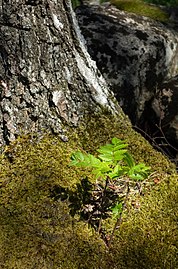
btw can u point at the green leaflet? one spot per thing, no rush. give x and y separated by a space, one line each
108 157
113 152
102 170
117 171
105 149
139 172
116 141
84 160
129 160
116 210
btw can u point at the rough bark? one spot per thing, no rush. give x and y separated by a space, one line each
47 79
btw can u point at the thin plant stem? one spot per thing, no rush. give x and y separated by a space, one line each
102 202
119 219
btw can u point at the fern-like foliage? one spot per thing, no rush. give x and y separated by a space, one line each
113 161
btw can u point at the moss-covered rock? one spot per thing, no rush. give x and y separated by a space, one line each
148 239
141 8
36 229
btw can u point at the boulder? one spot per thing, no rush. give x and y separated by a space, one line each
134 53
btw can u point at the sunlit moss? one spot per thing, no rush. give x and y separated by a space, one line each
149 236
75 3
141 8
36 229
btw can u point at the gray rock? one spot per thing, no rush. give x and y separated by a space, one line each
135 54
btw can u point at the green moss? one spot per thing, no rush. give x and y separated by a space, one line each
36 229
75 3
149 237
141 8
100 130
168 3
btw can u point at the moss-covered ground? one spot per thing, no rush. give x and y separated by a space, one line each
36 229
141 8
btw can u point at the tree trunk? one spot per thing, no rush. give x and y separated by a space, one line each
47 79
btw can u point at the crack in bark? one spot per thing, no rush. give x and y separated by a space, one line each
18 27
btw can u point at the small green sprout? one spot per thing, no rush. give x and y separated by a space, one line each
113 164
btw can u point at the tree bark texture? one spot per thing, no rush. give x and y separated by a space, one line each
47 79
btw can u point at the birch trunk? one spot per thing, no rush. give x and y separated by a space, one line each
47 79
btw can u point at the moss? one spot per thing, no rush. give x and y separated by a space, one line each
75 3
169 3
100 130
141 8
149 237
37 230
